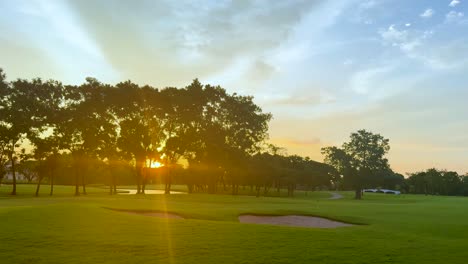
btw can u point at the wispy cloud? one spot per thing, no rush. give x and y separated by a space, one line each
405 39
427 13
363 82
455 17
418 45
454 3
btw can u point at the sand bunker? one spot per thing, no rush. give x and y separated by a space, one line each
292 220
149 213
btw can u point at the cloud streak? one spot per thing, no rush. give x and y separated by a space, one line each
427 13
454 3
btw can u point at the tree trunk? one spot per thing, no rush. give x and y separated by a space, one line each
138 176
257 188
190 188
167 188
358 194
77 182
291 187
51 183
111 181
83 182
114 183
38 185
235 189
13 172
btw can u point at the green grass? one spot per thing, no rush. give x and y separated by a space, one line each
68 229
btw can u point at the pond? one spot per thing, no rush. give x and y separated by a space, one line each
132 191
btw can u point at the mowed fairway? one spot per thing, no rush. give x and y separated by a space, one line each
68 229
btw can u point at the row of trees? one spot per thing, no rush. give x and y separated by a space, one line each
361 163
436 182
101 133
82 129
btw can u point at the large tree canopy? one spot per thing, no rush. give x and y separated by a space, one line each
361 161
97 129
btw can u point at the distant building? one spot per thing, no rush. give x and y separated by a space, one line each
9 175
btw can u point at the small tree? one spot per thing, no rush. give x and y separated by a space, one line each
28 168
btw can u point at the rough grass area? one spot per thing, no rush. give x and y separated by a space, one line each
68 229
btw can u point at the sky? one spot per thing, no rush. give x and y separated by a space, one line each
324 69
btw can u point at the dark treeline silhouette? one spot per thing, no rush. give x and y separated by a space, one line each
436 182
203 137
115 134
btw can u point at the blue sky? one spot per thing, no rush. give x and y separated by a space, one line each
323 68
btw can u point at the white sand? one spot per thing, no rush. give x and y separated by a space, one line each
292 220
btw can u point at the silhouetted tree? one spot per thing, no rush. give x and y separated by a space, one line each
361 161
436 182
85 128
140 132
27 167
21 114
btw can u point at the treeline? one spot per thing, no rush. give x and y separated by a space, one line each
361 163
429 182
436 182
95 132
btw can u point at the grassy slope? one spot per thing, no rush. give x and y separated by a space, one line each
67 229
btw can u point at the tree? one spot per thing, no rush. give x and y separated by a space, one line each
140 127
22 115
28 168
227 127
361 161
393 181
86 126
47 139
46 154
3 153
436 182
111 157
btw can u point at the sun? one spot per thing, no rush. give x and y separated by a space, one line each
156 164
